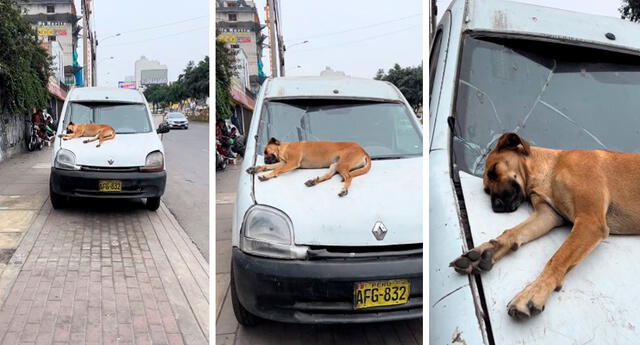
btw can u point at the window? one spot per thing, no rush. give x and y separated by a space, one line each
435 51
232 4
125 118
554 95
52 38
51 9
385 130
233 17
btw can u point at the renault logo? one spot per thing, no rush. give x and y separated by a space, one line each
110 161
379 230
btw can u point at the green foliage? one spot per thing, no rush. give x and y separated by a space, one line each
630 10
24 65
408 80
192 84
224 71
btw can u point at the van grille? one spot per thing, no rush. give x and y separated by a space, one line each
110 169
346 253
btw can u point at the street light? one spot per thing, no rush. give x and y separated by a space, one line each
109 58
297 44
108 37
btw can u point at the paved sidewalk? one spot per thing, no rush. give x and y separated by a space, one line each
229 332
98 272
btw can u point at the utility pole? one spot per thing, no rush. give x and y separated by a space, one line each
87 44
270 18
433 13
281 47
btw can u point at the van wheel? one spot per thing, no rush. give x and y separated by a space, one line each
153 204
57 201
243 316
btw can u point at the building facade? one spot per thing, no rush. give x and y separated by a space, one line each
238 24
57 21
150 72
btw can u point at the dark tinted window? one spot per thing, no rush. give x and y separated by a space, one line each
554 95
124 118
383 129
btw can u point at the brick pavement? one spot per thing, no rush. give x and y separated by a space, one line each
101 272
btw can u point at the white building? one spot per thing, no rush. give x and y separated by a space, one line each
237 24
55 20
150 72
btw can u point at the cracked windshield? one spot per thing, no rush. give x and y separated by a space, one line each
558 96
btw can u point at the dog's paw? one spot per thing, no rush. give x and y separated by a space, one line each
474 261
311 183
252 170
60 135
529 302
85 141
262 178
98 145
343 193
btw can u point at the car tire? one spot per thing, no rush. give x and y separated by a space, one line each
243 316
153 204
57 201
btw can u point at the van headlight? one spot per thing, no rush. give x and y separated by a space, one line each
154 162
268 232
66 160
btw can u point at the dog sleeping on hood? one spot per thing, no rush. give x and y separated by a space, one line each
98 132
345 158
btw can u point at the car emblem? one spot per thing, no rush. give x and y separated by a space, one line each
110 161
379 230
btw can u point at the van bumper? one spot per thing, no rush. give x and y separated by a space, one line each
321 291
78 183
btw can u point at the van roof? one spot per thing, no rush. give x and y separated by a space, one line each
106 94
520 19
331 87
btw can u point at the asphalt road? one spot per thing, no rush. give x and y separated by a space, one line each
187 191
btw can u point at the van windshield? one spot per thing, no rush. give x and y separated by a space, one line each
553 95
384 130
125 118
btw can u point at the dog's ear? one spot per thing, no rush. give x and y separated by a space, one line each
71 123
512 141
274 141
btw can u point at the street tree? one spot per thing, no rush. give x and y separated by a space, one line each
24 65
630 10
224 71
408 80
194 82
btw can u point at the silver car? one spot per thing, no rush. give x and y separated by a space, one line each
177 120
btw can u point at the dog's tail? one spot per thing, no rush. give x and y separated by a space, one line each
364 169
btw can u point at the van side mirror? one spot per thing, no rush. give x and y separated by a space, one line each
163 128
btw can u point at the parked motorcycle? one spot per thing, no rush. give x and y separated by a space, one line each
36 137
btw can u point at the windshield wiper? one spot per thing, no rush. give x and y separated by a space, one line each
379 158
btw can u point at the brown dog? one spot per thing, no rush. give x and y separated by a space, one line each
347 159
98 132
597 191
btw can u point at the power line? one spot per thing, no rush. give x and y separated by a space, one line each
162 25
157 38
354 41
357 28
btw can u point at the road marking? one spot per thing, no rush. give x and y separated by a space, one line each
225 198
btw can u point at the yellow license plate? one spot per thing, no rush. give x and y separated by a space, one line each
380 293
110 186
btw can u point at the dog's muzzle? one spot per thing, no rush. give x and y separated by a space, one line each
271 159
508 200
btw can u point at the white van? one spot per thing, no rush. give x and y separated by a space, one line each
305 255
563 80
129 166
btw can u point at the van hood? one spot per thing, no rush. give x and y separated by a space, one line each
597 292
391 192
125 150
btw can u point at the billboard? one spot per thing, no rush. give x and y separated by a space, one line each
153 76
52 31
235 37
127 84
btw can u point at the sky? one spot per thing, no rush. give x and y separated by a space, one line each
600 7
148 28
357 37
